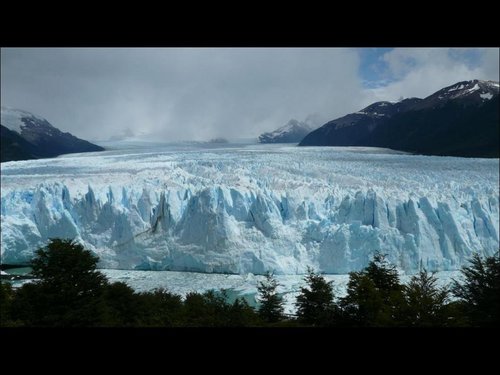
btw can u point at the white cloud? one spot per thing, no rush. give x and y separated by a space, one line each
491 64
419 72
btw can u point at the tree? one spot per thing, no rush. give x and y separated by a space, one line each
6 297
374 295
315 303
159 308
383 274
363 303
121 305
425 303
479 293
271 307
241 314
69 288
209 309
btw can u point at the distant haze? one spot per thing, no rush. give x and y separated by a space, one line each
202 93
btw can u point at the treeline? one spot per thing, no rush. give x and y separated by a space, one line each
70 291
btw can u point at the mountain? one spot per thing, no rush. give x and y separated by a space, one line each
292 132
356 129
15 147
459 120
26 136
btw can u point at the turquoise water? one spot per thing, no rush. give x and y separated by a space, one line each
18 271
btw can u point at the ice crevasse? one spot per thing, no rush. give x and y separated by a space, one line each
230 230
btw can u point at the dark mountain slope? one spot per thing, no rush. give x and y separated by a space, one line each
459 120
452 129
28 136
15 147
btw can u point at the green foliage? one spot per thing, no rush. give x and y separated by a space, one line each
271 307
363 305
242 315
159 308
197 312
211 309
69 288
65 268
120 306
29 304
70 291
374 295
425 303
6 298
205 310
479 294
315 303
383 274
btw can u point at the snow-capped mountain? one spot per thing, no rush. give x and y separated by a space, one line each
26 136
292 132
459 120
475 92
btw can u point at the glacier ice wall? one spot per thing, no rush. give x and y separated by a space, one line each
252 210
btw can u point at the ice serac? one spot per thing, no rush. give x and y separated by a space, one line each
250 210
226 230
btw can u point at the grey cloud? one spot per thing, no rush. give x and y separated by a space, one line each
181 93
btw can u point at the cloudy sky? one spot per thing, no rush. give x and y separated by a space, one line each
200 93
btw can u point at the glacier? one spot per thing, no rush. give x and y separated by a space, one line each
246 208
